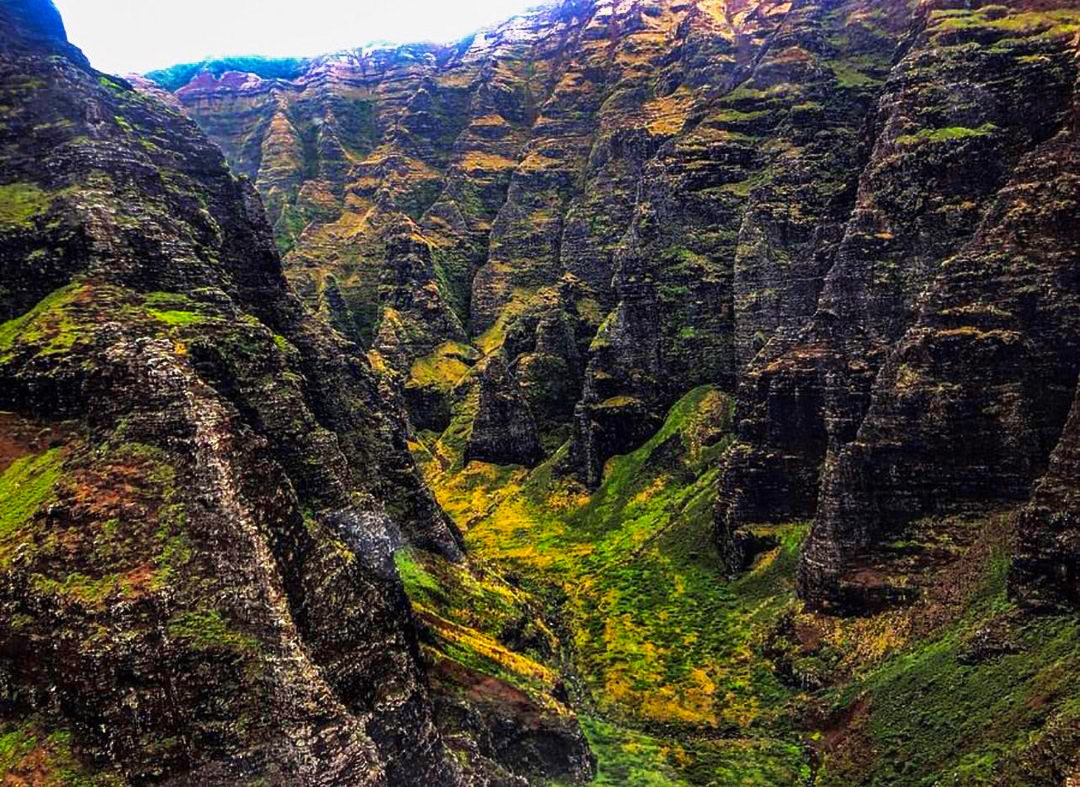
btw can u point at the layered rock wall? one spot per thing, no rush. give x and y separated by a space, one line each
856 216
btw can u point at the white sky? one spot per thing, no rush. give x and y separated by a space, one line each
122 36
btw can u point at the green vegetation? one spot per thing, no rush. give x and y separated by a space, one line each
658 636
290 224
628 757
494 337
852 74
24 487
20 203
175 547
1006 21
118 543
49 326
946 134
678 668
452 276
172 309
31 755
176 77
467 610
176 317
87 590
444 368
934 715
208 630
110 84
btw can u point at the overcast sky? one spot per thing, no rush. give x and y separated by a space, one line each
121 36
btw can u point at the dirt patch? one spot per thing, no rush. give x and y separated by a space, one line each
843 740
488 690
21 437
843 726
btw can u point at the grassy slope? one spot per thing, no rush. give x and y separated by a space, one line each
671 668
936 712
674 670
31 755
662 647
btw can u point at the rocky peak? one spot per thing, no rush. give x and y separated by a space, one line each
28 24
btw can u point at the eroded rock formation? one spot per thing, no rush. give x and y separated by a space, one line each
859 219
856 215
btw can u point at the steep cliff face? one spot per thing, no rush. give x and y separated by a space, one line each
913 388
736 213
1046 570
855 215
610 272
598 188
202 485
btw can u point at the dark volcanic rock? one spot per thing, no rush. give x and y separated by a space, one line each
736 217
860 217
911 390
29 25
503 431
507 728
969 401
1046 570
855 215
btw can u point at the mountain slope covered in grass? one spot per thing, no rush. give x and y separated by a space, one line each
637 392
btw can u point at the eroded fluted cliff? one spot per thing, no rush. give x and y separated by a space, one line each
594 269
859 216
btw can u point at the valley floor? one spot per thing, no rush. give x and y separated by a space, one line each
612 605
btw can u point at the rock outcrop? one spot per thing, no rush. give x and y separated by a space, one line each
503 430
530 143
1046 569
911 390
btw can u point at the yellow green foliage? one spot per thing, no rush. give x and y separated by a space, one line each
444 368
24 487
494 337
946 134
851 73
1007 21
91 591
20 203
50 326
172 309
208 630
630 757
467 609
175 317
929 714
30 754
445 453
658 634
659 640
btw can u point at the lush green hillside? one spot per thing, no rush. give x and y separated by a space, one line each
683 675
177 76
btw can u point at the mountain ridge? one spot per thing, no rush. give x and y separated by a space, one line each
641 391
620 333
